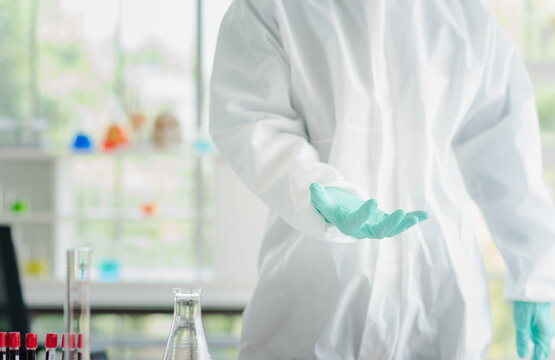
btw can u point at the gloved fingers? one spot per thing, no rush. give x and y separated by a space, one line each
523 322
541 349
522 342
366 232
543 330
419 214
394 219
362 214
408 222
543 324
321 201
389 223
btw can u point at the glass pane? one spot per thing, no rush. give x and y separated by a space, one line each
93 187
109 61
158 186
530 24
155 250
214 11
14 65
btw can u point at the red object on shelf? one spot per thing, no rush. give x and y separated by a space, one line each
51 341
3 339
115 136
149 209
71 341
31 341
14 340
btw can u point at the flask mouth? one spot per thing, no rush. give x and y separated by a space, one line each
189 293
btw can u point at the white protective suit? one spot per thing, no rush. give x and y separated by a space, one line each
423 105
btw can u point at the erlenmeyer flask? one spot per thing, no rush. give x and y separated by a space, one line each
187 340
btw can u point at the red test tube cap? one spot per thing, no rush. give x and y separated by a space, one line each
31 341
80 341
3 339
51 341
14 339
71 341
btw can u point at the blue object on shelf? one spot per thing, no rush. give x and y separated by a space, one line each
110 270
82 142
202 147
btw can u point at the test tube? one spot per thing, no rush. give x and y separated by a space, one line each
51 344
80 347
3 345
31 345
14 342
68 346
77 306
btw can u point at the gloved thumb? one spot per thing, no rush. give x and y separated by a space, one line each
320 200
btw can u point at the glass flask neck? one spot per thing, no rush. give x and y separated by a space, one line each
187 340
187 305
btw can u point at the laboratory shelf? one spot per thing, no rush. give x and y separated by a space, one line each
27 218
13 154
49 217
146 150
41 294
130 215
24 153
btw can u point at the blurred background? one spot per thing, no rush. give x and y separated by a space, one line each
103 143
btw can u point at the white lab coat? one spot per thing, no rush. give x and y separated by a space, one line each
423 105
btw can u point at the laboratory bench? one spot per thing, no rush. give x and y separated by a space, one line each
141 333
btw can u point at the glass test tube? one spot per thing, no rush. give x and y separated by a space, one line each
77 306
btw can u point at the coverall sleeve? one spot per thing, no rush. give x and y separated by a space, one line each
499 152
256 128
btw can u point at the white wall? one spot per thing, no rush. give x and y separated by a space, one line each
238 225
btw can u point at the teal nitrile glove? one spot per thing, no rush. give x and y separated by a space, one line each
533 321
360 219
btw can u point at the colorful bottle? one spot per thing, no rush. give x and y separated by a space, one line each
31 345
51 344
68 347
3 345
14 342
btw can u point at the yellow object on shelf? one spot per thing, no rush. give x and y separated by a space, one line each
37 267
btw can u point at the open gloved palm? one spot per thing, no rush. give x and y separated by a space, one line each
358 218
534 322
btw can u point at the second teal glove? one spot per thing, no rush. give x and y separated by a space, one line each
533 321
360 219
